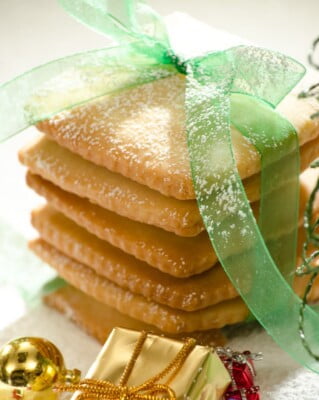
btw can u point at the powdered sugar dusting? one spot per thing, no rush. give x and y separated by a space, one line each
141 133
137 132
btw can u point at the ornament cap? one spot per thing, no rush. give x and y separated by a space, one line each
72 376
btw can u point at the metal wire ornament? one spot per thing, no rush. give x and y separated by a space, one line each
313 90
310 263
311 58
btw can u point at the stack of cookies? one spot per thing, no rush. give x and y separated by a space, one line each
121 224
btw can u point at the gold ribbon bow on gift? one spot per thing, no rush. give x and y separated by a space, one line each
152 389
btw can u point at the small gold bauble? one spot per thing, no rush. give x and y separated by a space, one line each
33 363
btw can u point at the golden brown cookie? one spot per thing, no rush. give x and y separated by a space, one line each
122 195
98 319
175 255
189 294
196 292
109 190
136 306
140 133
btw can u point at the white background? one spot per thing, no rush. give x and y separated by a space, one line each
36 31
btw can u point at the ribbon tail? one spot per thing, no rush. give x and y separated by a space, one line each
227 215
261 79
264 74
278 179
22 270
74 80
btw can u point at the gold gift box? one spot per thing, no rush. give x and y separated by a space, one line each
202 376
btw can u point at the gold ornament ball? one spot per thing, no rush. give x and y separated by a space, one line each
33 363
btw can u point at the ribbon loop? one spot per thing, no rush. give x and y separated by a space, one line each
264 74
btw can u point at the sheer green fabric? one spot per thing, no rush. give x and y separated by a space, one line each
26 272
239 86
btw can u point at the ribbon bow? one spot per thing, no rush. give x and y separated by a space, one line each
103 390
240 86
152 389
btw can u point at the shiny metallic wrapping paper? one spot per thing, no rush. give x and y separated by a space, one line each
203 375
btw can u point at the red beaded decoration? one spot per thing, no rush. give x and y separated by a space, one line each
17 394
242 372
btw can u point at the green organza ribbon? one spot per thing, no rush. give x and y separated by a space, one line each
239 86
27 273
